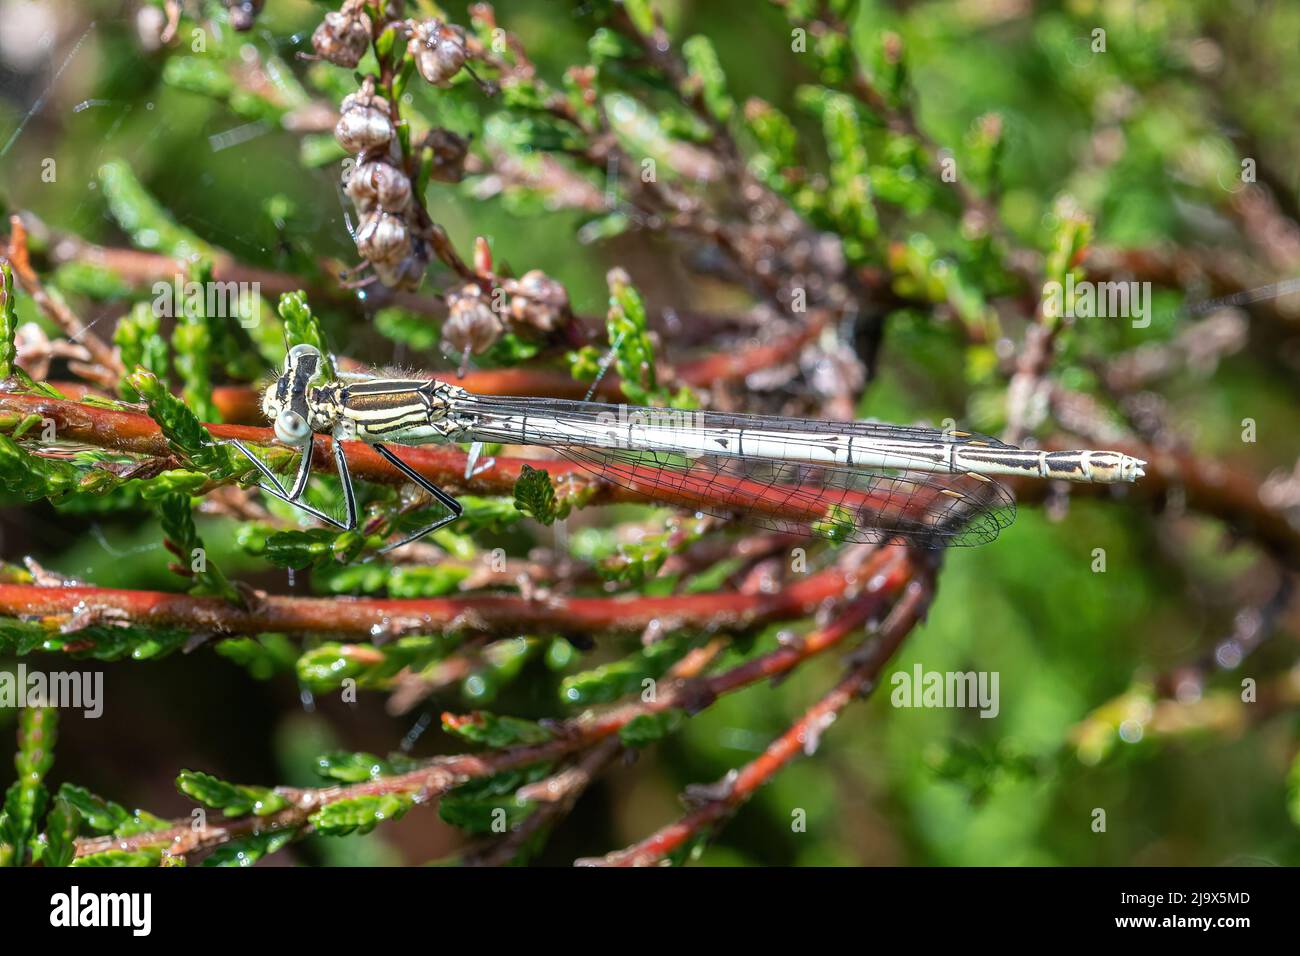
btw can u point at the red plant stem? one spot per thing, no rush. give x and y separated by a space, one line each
139 434
801 737
560 792
15 252
882 576
371 618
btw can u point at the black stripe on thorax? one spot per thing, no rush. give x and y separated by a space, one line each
386 426
364 399
385 386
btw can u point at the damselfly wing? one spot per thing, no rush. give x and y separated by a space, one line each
766 478
840 504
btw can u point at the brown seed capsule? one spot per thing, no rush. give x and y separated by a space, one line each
343 36
379 183
438 50
407 273
383 238
365 121
537 300
243 13
471 324
449 152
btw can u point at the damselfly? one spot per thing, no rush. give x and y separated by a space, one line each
848 481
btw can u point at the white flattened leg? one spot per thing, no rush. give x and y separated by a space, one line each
472 466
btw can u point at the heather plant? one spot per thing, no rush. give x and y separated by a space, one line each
1065 227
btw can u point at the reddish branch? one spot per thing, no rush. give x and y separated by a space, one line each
1220 273
802 737
763 559
106 367
143 269
370 618
882 576
140 435
242 404
559 793
1251 627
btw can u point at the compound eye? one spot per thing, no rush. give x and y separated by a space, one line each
301 351
291 428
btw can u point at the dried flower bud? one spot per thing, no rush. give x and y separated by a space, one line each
449 152
343 36
243 13
378 183
150 22
366 121
482 257
406 274
471 324
438 50
537 300
383 238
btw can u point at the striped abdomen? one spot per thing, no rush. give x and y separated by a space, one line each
820 448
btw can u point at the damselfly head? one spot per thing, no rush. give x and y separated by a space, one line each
285 402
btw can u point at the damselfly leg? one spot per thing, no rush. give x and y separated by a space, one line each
447 501
472 464
295 495
605 363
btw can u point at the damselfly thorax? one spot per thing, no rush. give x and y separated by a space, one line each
844 480
405 412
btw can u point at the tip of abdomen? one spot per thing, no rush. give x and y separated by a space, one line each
1112 466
